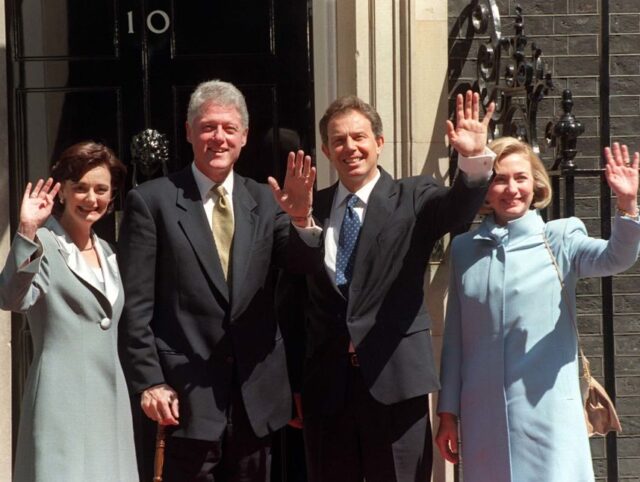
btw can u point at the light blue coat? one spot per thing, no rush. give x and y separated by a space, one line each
509 362
75 424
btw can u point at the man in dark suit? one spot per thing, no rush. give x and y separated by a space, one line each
369 364
199 340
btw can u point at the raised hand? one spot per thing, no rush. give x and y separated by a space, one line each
622 176
37 203
469 135
296 196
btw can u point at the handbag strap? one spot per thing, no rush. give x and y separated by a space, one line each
586 370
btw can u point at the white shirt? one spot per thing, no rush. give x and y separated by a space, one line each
477 168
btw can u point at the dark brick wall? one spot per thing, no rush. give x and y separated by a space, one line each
568 32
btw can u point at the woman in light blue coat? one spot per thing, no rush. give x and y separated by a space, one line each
75 423
509 369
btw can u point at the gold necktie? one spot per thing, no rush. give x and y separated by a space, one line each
222 221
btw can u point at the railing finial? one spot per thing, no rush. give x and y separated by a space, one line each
563 135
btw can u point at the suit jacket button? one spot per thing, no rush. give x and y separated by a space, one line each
105 323
229 360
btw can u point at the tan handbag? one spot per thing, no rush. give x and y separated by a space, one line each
600 413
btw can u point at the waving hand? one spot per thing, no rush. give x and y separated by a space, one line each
296 196
469 135
36 207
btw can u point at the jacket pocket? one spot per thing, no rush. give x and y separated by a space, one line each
421 322
396 230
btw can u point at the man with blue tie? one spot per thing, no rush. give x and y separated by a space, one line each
369 365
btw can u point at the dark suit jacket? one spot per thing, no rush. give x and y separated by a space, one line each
385 315
183 325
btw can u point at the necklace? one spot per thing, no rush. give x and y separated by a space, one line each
87 249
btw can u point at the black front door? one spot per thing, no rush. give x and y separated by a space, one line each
107 70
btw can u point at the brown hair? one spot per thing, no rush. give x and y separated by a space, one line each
346 104
76 160
542 193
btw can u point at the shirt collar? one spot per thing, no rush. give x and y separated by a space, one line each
63 238
363 193
531 223
205 184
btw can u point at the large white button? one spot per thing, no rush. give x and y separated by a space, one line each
105 323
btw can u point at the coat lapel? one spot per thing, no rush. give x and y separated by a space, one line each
110 271
323 203
73 259
244 234
380 207
194 224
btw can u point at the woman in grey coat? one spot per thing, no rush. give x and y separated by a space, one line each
510 361
75 423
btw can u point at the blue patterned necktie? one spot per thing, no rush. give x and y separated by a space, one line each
347 241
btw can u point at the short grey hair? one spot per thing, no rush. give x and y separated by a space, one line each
217 92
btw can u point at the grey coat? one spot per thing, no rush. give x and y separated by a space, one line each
75 423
